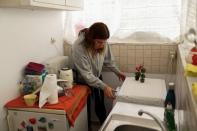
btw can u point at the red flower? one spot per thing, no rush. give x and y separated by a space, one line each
138 67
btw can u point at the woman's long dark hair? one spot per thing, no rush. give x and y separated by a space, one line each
96 31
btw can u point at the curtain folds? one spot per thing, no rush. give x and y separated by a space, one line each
129 19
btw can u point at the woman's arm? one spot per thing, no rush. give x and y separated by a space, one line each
81 63
109 62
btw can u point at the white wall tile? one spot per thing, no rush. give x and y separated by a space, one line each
165 53
131 60
156 53
154 57
116 50
131 47
155 61
164 61
123 60
155 47
163 69
139 60
148 69
123 50
131 68
165 47
147 61
139 53
131 53
147 53
117 60
147 47
139 47
155 69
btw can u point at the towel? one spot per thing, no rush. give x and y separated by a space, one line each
191 70
194 90
34 68
71 105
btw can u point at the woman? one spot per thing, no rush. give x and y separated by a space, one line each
89 53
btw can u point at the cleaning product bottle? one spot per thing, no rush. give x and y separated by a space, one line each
169 117
170 97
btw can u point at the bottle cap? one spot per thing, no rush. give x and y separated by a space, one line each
171 85
169 105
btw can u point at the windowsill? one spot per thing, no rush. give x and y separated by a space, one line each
133 42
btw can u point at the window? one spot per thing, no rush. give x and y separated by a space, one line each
128 18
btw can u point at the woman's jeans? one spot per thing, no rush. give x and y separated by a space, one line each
98 96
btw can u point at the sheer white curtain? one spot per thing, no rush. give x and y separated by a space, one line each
189 15
107 11
127 18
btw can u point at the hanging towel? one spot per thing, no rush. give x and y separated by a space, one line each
72 105
191 70
194 90
33 68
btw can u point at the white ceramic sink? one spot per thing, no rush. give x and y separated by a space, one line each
132 128
124 117
119 122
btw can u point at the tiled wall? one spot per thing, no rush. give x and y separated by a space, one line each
155 57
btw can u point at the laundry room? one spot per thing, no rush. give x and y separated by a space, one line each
102 65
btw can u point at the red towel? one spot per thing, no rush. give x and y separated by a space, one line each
71 105
194 59
37 67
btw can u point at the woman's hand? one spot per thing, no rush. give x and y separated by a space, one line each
121 76
109 92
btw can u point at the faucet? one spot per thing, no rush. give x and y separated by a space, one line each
157 119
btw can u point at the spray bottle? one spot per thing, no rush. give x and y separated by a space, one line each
170 97
169 118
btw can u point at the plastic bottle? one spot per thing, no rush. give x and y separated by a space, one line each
169 117
170 97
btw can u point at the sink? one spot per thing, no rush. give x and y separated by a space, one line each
124 117
132 128
119 122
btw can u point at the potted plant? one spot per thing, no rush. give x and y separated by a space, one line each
142 75
137 72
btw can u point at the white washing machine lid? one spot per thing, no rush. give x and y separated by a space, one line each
151 92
